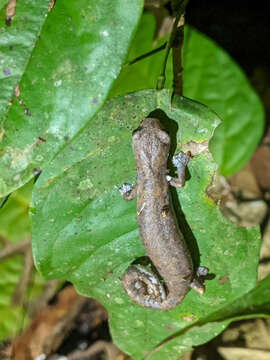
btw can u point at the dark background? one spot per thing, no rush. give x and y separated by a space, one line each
240 27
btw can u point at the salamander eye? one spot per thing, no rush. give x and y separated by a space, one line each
136 130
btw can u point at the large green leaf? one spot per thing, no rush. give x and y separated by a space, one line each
84 232
3 3
218 82
3 200
211 77
72 66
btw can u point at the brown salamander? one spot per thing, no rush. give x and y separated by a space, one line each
158 227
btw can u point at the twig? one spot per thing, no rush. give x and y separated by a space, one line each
4 241
180 11
13 249
18 295
111 352
143 56
50 289
177 58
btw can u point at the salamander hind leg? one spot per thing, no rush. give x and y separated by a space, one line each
197 282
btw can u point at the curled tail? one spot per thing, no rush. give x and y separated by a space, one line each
145 288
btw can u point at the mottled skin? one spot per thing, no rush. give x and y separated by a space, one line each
158 227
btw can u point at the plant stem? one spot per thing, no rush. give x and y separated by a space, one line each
170 44
177 61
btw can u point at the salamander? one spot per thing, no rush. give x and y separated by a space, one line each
165 287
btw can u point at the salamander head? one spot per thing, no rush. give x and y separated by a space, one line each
150 143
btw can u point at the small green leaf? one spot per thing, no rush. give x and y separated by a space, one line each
84 232
72 67
14 226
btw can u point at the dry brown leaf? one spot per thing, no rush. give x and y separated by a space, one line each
49 327
10 11
260 164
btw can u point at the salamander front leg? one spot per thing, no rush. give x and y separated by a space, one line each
128 192
180 161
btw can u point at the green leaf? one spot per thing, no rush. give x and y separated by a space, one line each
14 226
256 303
16 45
211 77
3 3
72 67
218 82
3 200
142 74
84 232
